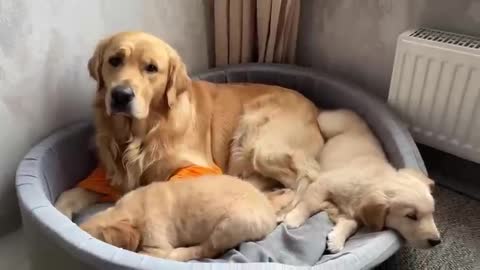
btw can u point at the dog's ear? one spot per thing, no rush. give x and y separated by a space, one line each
416 174
373 211
96 61
178 79
121 234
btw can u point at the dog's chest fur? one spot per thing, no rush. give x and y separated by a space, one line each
126 149
130 147
126 161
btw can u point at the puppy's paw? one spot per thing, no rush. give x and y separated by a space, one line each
184 254
334 243
294 219
281 199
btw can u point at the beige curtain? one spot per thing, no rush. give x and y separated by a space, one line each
255 31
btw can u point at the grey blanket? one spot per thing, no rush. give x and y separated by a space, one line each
302 246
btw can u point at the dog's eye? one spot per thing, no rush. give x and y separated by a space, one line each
412 216
115 61
151 68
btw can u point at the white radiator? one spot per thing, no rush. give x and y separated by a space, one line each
435 88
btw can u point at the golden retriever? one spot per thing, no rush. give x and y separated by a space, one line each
151 119
359 187
186 219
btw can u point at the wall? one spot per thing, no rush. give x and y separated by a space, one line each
356 39
44 49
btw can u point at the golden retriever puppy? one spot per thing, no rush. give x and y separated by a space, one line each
151 120
359 187
186 219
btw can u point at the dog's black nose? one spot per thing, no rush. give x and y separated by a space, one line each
434 242
121 96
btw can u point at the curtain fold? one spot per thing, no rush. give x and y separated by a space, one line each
255 31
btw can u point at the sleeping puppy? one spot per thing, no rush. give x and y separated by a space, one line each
359 187
186 219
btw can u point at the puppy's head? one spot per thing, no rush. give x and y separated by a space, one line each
407 207
135 72
121 234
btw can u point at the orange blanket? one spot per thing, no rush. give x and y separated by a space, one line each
97 180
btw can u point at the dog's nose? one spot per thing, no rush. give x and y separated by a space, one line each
121 96
434 242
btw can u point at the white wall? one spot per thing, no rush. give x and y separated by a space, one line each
44 49
355 39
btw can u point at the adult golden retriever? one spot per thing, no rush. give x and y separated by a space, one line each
359 187
151 119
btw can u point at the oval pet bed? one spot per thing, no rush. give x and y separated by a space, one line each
65 157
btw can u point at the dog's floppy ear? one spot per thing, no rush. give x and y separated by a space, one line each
373 211
416 174
121 234
178 80
95 63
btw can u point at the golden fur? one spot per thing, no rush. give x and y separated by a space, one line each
359 187
267 135
185 220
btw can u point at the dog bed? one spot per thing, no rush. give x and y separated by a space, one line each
63 158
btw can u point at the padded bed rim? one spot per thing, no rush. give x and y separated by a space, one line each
36 206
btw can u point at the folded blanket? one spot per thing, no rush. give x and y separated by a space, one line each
302 246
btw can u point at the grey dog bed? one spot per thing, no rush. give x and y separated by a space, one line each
63 158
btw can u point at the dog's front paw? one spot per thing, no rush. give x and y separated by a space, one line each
64 207
66 212
75 200
334 243
155 252
294 219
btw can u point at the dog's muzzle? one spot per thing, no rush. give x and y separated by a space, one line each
121 99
